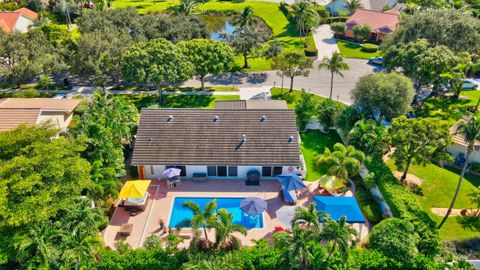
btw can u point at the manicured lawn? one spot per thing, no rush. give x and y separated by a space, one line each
352 50
283 30
437 190
291 97
313 144
178 101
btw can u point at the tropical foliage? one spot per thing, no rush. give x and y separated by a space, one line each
335 65
343 162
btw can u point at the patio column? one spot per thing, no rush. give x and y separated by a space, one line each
141 172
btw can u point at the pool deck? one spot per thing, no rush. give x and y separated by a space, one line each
161 199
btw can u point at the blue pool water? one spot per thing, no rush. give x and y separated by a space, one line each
232 205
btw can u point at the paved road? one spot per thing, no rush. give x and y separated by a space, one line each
317 82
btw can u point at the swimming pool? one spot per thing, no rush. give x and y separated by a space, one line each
232 205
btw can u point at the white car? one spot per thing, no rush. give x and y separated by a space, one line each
469 84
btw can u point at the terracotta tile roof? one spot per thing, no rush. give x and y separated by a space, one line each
67 105
12 118
379 21
10 20
251 104
194 137
27 12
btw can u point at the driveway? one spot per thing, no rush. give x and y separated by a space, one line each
324 41
317 82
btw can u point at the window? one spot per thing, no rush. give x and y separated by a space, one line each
232 171
277 171
222 171
212 170
266 171
183 169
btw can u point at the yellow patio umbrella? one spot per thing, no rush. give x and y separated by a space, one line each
134 189
331 182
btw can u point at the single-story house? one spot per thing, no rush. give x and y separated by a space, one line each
376 5
217 143
19 20
381 23
31 111
458 148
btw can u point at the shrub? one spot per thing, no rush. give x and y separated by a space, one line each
311 52
338 27
361 30
367 47
327 112
369 205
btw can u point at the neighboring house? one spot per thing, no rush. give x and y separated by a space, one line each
31 111
458 148
19 20
376 5
219 143
381 23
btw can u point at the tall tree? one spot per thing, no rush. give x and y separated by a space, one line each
208 57
470 129
297 247
306 17
384 95
107 124
224 227
344 162
204 219
340 234
292 64
418 140
246 40
309 217
353 5
335 65
79 248
157 62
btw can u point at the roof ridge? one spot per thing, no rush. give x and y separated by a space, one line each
377 11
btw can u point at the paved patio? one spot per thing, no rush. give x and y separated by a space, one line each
161 198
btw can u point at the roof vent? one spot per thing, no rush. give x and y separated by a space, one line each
290 139
170 118
216 118
244 140
263 119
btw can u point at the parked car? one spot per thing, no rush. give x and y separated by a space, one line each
469 84
377 60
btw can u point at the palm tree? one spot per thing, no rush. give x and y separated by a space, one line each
224 228
227 261
471 131
38 248
297 247
82 217
343 162
339 234
475 199
369 137
205 219
78 246
335 65
186 6
305 16
309 217
353 5
245 18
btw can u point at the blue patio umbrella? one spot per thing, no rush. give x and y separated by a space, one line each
291 181
253 206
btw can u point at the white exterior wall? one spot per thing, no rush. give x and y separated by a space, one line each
191 169
60 119
23 24
456 149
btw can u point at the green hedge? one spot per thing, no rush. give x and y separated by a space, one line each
367 47
311 52
403 204
369 205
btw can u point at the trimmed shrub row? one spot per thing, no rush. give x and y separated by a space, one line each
367 47
368 204
311 52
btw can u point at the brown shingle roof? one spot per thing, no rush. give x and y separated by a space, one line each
11 118
251 104
378 21
67 105
193 137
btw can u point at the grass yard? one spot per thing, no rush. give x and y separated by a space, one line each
178 101
313 144
291 97
352 50
283 30
437 190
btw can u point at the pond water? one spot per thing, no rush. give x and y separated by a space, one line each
219 26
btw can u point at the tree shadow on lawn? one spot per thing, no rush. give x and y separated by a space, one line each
469 223
352 46
473 179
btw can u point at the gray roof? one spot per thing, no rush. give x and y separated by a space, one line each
251 104
191 136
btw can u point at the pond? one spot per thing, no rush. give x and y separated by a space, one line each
219 26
